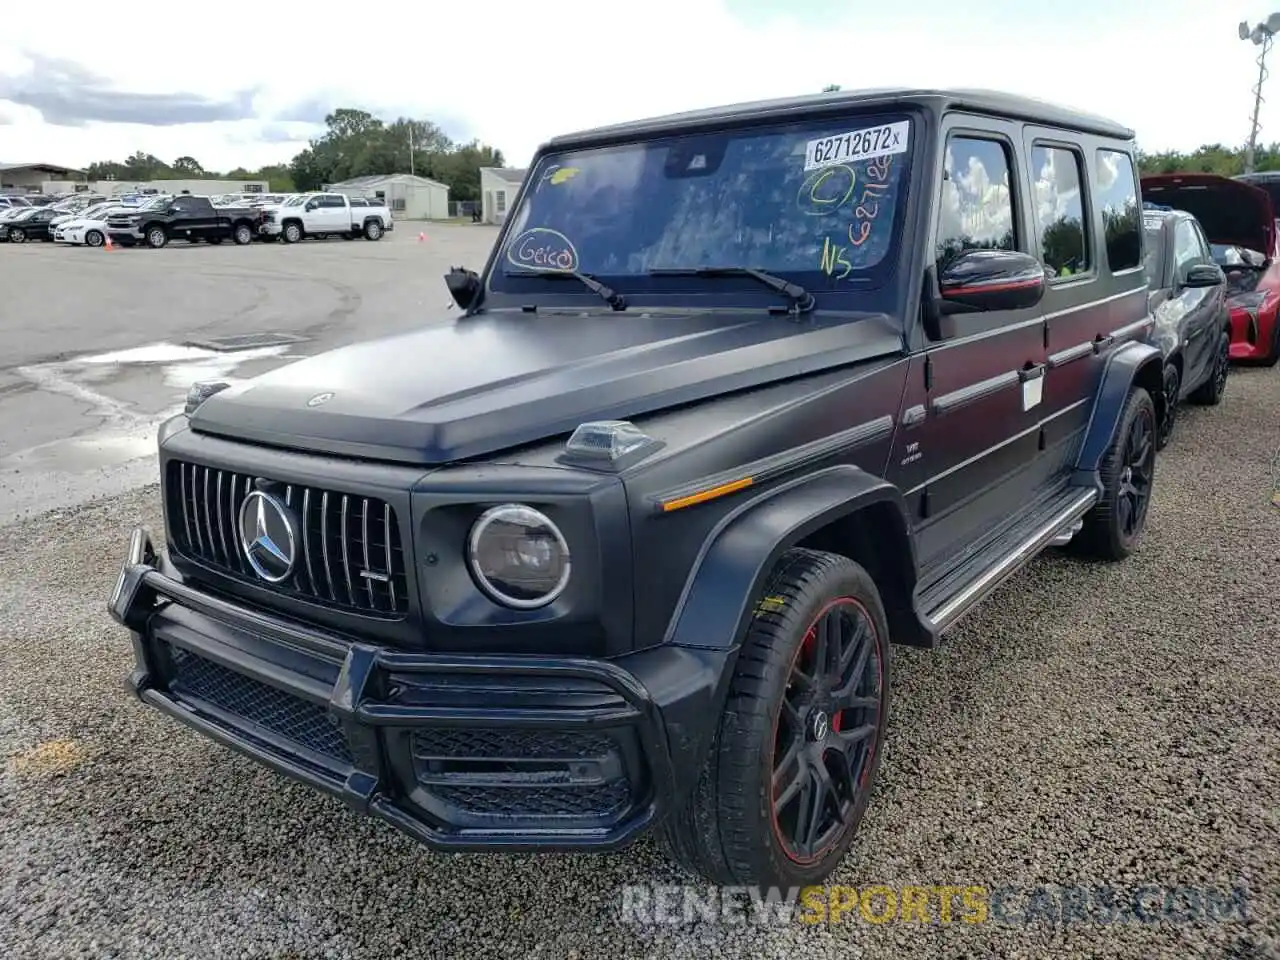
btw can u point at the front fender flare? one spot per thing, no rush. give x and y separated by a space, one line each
1133 363
731 570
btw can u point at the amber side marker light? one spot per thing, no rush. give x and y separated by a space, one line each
702 496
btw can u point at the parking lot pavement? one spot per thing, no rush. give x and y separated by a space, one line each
1100 726
93 343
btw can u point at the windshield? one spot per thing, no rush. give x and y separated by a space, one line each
294 201
819 203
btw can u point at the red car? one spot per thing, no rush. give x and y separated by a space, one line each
1238 218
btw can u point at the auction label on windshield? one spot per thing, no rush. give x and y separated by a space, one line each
879 141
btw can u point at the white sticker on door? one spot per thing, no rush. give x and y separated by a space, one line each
1032 392
881 141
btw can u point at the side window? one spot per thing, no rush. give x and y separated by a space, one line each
1121 212
1206 251
976 202
1064 246
1186 246
333 201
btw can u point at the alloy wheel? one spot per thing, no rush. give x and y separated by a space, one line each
827 731
1134 494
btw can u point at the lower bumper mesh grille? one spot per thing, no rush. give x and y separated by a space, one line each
282 714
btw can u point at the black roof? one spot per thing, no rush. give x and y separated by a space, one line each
992 102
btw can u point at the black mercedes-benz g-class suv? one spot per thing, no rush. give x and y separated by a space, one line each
741 398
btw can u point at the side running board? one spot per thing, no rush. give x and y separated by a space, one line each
1006 556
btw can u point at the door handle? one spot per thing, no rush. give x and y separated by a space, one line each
1102 341
1031 371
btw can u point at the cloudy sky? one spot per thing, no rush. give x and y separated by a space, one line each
80 82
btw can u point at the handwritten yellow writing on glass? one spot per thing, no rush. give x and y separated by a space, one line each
557 174
541 248
825 191
833 259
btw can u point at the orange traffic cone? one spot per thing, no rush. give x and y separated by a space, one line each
107 244
422 236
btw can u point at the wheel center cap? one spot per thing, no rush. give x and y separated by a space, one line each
819 725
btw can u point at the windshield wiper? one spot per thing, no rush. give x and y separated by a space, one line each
607 294
801 299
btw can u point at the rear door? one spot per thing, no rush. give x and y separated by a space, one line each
337 215
1203 305
1065 242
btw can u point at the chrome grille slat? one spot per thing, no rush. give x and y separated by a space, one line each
386 541
346 555
208 514
195 508
324 544
209 531
364 543
233 513
306 537
222 523
182 493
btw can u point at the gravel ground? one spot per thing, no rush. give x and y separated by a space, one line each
1094 725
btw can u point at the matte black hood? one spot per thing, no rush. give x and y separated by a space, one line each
486 383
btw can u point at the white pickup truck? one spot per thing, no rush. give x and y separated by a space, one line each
326 215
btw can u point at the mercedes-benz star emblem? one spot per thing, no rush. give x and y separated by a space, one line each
320 398
267 536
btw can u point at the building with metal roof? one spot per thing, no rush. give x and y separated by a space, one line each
409 197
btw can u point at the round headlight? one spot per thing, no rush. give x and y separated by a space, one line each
518 556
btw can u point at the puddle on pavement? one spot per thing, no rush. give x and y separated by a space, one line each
123 435
74 454
182 364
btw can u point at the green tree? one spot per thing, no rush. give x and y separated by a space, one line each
355 143
187 167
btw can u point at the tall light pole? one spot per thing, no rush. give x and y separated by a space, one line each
1261 35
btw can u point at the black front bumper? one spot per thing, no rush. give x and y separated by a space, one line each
460 752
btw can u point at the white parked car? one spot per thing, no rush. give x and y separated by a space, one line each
90 228
326 215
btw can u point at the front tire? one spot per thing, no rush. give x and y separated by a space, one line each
17 235
794 758
1114 525
1172 391
1273 355
242 235
291 233
1209 393
157 237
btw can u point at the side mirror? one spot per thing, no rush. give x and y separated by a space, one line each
1204 275
464 286
311 205
979 280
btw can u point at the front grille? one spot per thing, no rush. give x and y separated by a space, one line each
350 552
257 704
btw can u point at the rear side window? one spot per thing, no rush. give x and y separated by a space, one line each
1059 210
976 202
1121 212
